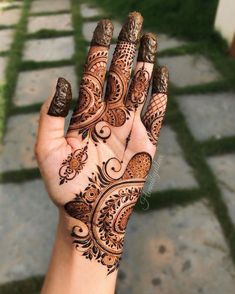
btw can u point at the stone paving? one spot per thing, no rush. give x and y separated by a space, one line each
189 70
50 22
9 17
28 232
176 253
166 42
215 112
6 39
49 6
29 88
53 49
170 159
3 64
176 250
223 167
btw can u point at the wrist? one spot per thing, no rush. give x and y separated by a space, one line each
68 266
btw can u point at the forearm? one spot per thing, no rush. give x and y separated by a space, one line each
70 272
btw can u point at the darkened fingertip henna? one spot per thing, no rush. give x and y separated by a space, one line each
132 28
160 80
103 33
148 48
61 101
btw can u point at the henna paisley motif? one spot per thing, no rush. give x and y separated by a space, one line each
73 165
104 207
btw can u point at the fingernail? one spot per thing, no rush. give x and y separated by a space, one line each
61 100
148 48
160 80
103 33
132 27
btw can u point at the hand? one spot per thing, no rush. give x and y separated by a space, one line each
96 172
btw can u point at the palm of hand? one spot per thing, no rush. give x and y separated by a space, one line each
98 172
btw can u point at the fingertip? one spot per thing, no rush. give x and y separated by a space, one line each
148 48
61 100
160 80
131 29
103 33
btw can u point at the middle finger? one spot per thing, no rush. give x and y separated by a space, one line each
121 65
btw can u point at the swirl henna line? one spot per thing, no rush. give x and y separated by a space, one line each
102 210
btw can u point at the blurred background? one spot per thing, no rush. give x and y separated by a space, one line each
181 238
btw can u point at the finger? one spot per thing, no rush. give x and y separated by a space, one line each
89 105
156 109
139 87
121 65
52 116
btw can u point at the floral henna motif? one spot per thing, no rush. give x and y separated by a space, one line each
102 210
138 89
73 165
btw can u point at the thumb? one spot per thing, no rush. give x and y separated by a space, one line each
52 117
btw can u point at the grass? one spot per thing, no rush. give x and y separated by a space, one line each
33 65
48 13
46 34
13 67
168 198
28 286
191 19
218 146
19 176
80 43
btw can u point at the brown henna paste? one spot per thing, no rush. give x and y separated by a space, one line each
148 48
61 100
160 80
103 33
131 29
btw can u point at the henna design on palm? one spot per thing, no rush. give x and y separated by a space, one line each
111 143
104 207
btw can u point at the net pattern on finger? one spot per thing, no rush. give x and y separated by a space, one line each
154 116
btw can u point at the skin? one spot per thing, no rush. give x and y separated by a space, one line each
95 172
